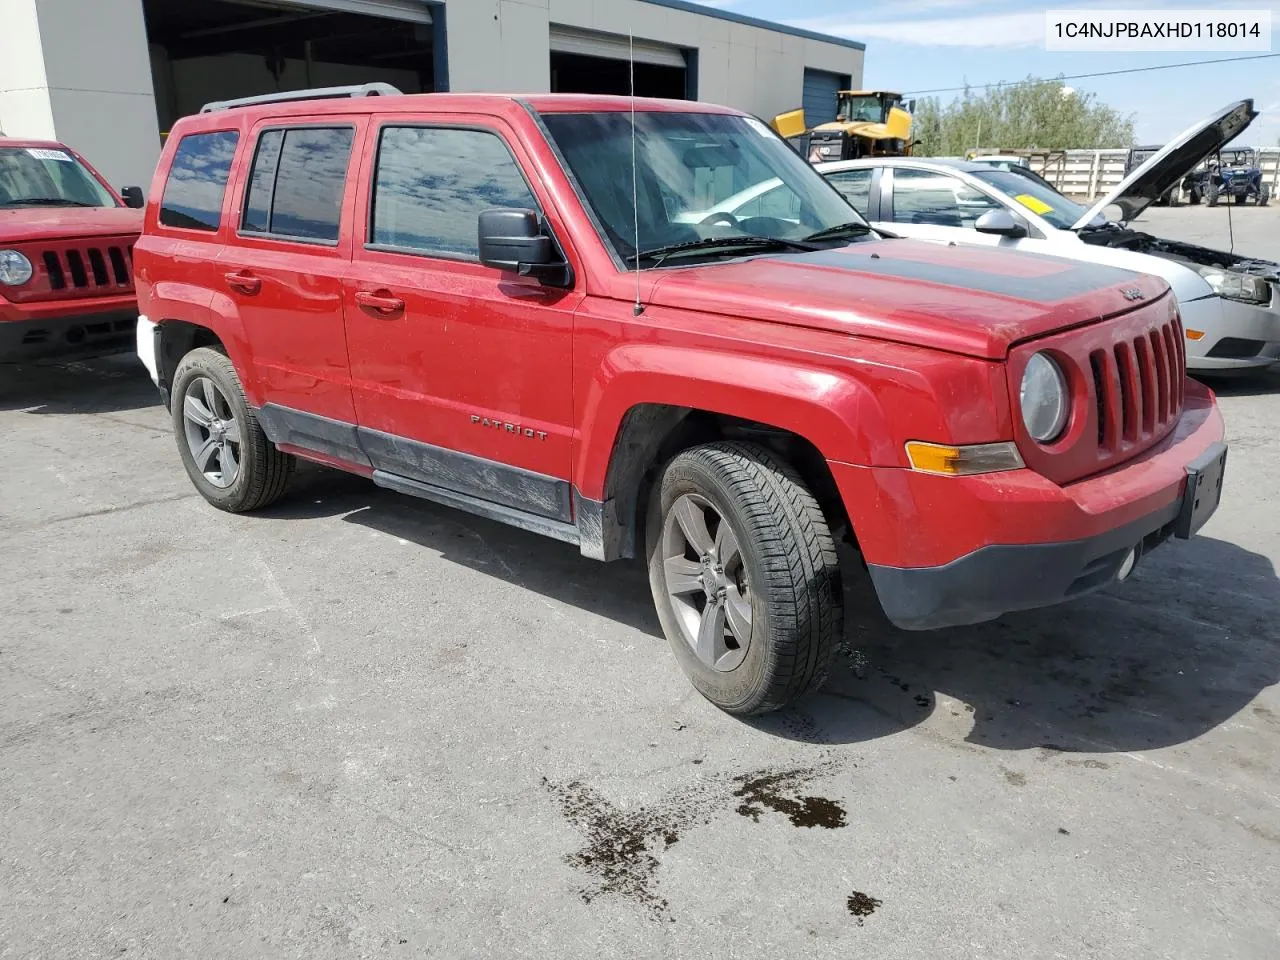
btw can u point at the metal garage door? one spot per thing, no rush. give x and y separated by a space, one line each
415 11
820 95
613 47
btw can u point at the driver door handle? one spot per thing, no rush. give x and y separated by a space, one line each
381 302
242 281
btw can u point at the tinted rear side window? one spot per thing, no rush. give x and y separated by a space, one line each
297 184
432 183
198 181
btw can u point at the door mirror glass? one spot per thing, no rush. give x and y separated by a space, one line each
133 197
1001 223
513 240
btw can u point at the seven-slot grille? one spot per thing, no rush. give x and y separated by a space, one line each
90 268
1138 386
74 269
1126 375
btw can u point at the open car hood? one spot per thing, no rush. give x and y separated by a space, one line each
1174 161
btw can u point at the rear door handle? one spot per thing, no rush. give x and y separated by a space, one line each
243 282
381 302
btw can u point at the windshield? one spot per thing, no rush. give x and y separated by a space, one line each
853 109
36 177
700 177
1034 193
1237 158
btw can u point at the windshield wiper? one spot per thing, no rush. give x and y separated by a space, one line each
850 229
709 244
46 201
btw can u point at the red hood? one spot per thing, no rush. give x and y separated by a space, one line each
969 300
21 224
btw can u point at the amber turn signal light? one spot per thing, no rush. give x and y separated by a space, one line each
963 461
1195 334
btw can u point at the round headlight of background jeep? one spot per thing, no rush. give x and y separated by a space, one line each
1044 399
15 269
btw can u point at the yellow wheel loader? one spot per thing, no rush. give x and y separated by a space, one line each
869 123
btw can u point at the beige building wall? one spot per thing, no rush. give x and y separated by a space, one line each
78 71
504 45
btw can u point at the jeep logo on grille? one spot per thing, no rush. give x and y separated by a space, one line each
1132 293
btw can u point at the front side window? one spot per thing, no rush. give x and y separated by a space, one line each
48 177
855 185
431 184
297 183
937 199
198 181
700 178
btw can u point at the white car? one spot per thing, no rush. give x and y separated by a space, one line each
1230 303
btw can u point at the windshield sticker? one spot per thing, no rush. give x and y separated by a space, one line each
759 127
50 155
1034 204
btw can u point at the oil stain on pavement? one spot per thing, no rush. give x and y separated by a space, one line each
622 849
862 906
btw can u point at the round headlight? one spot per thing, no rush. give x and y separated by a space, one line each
15 269
1044 398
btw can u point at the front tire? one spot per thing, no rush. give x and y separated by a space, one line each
744 575
227 456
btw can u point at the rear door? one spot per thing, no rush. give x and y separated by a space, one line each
461 372
283 273
856 186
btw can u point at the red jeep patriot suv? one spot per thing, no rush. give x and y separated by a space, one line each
66 254
484 301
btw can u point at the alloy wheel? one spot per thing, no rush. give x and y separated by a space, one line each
706 582
213 433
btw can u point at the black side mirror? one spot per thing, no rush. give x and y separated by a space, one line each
1002 223
514 240
133 197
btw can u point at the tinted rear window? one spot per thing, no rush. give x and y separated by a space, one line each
198 181
298 181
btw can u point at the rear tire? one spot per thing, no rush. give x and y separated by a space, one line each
226 454
744 575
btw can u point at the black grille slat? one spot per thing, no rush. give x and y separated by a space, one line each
118 266
53 267
79 278
98 264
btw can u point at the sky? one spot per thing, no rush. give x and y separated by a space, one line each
918 45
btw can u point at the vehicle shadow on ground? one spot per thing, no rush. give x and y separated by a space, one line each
100 385
1253 384
1188 642
1184 645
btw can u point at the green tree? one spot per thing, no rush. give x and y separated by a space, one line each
1043 114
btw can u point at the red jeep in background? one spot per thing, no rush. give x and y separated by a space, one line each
66 254
530 309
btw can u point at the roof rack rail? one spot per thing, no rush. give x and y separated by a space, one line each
317 93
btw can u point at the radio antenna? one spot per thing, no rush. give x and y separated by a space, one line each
635 186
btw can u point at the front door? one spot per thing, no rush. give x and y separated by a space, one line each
461 372
931 205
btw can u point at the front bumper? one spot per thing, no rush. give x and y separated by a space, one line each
1226 325
944 551
78 334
